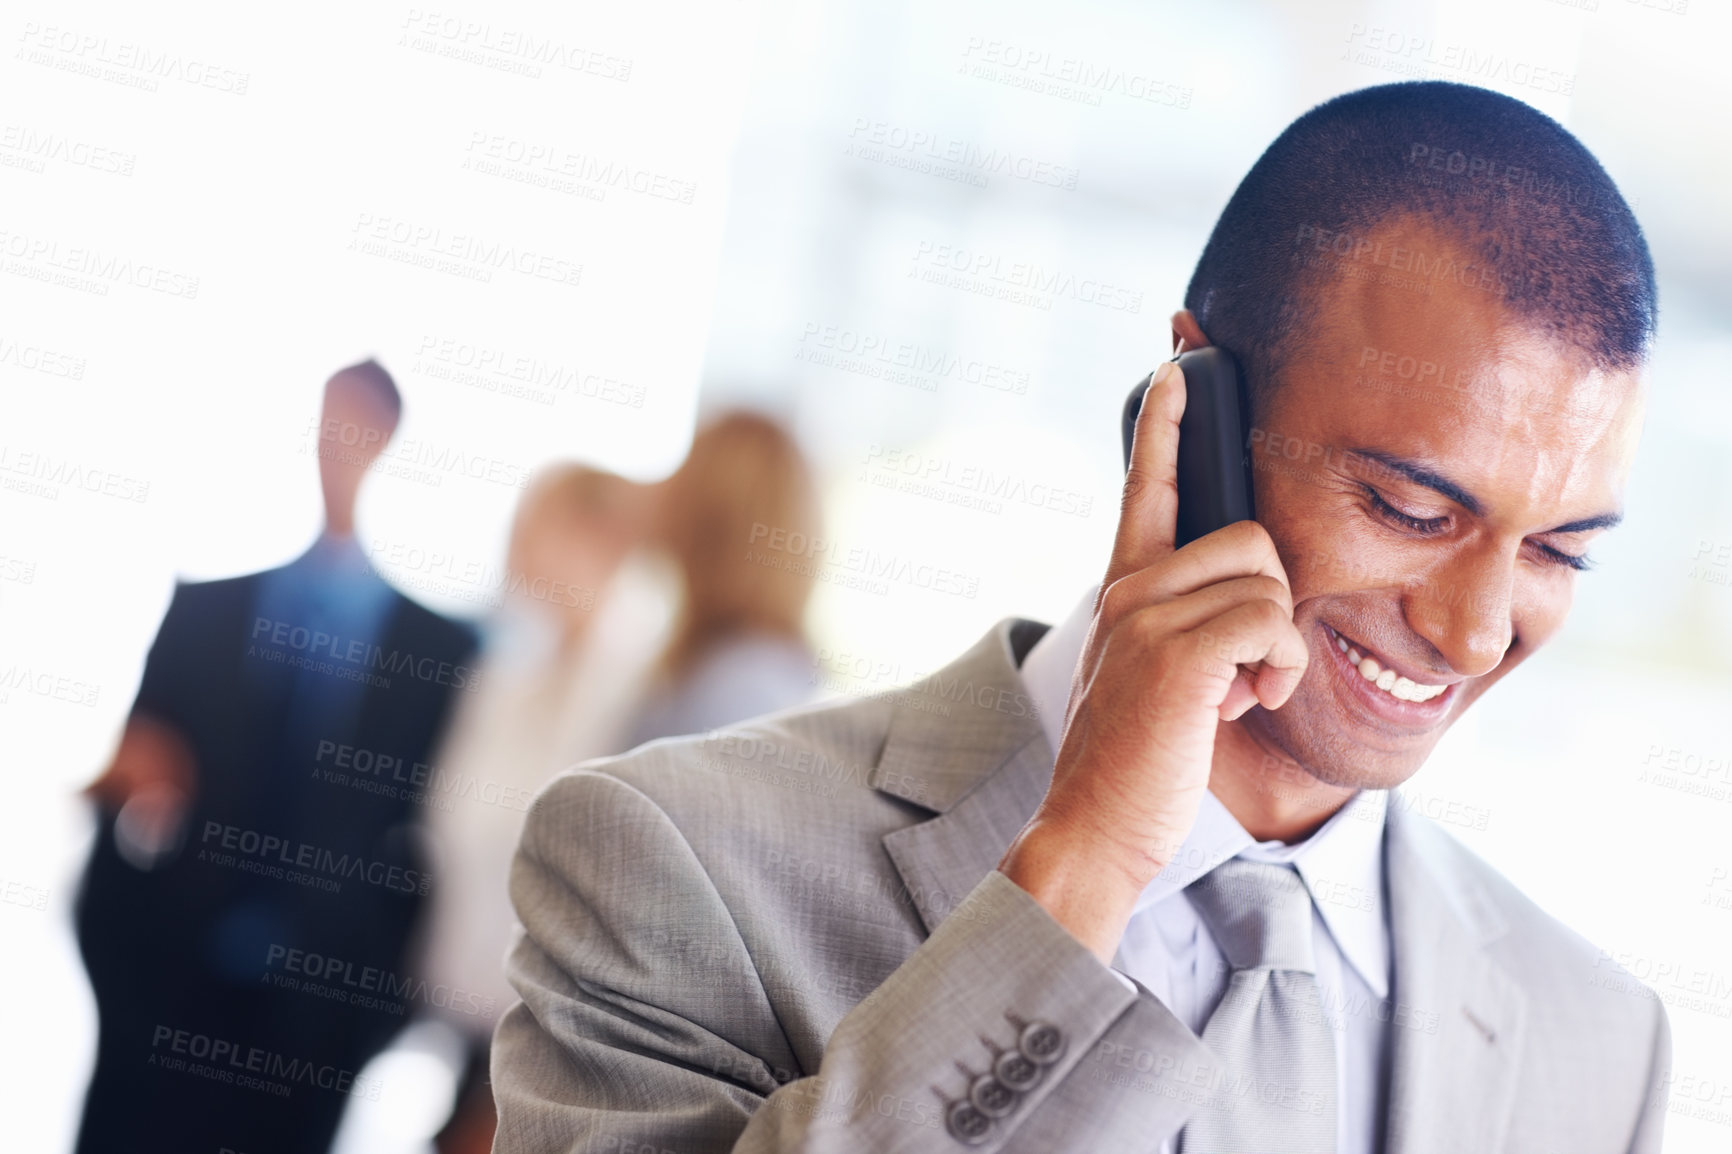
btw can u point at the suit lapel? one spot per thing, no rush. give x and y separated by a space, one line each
965 742
1458 1020
943 859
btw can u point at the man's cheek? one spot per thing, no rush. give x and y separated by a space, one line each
1330 549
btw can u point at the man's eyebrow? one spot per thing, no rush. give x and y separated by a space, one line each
1603 521
1431 479
1421 475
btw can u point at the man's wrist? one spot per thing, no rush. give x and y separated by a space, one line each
1065 873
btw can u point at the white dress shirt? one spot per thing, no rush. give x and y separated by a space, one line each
1167 948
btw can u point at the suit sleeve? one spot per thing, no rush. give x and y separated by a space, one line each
159 688
644 1026
1651 1122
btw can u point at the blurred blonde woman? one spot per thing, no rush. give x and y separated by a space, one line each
738 647
564 662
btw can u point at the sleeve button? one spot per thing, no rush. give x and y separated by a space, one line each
991 1097
1016 1071
966 1123
1041 1043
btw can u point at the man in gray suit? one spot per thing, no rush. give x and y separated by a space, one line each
1142 881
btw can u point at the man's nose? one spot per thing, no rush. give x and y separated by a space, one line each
1463 608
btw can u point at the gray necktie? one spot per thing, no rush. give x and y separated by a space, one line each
1275 1090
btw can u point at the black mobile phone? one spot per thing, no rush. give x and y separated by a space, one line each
1214 443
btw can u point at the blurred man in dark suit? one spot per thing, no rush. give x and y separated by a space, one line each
257 869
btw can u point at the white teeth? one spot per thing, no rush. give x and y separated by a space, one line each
1401 688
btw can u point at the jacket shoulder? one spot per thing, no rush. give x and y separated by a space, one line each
206 609
810 756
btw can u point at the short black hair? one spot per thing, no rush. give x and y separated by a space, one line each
1546 226
372 374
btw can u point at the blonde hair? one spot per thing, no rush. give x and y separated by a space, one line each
743 480
565 495
573 527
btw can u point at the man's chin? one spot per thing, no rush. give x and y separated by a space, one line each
1328 752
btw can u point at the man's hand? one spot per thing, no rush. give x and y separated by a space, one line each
149 787
1181 640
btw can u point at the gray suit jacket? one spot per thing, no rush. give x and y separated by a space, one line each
790 935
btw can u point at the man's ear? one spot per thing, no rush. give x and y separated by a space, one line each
1185 328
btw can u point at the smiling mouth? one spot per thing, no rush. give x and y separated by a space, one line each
1376 676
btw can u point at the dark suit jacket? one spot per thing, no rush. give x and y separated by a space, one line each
171 945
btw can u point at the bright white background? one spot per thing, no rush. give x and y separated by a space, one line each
800 233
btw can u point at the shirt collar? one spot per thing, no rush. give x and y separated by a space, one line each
338 555
1342 863
1047 670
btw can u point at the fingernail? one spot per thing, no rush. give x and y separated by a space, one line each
1162 373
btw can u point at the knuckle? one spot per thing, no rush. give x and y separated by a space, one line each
1150 640
1214 651
1260 539
1254 533
1249 536
1269 588
1140 481
1147 628
1114 600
